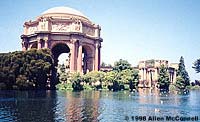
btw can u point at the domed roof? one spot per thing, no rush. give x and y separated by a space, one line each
63 10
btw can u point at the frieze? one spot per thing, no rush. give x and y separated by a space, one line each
89 31
61 27
67 27
31 30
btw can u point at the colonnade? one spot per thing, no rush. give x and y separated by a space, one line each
92 59
149 77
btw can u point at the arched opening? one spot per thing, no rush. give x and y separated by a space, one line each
87 59
34 45
61 54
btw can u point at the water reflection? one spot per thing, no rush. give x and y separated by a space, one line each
93 106
23 106
81 106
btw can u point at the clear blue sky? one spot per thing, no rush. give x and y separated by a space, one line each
132 29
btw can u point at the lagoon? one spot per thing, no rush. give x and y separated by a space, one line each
96 106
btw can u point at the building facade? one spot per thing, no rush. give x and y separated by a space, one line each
149 71
65 30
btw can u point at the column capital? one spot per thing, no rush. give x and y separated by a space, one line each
39 40
98 45
45 39
73 41
80 43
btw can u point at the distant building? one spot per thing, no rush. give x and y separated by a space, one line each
149 71
106 68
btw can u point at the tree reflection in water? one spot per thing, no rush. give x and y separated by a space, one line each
27 106
82 106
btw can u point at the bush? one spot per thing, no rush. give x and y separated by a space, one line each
64 86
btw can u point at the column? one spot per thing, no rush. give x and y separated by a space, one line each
46 43
145 77
99 58
156 74
170 77
23 46
72 58
39 45
96 57
174 78
141 76
150 77
79 64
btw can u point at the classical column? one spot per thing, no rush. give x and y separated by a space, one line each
72 57
156 74
150 78
79 64
145 77
174 77
39 45
96 68
141 76
23 46
99 58
46 43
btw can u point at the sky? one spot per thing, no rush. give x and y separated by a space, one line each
133 30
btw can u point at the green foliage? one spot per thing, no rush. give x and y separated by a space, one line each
88 87
119 79
62 68
182 72
172 87
197 65
114 80
94 78
163 78
63 78
64 86
25 70
196 87
180 83
77 82
121 65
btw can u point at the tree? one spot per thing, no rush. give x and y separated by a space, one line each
163 78
62 68
197 65
94 78
25 69
116 80
77 82
130 77
180 83
110 79
182 72
121 65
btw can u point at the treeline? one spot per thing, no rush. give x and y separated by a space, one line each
122 77
25 69
34 69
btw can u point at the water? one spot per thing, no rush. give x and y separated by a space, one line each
94 106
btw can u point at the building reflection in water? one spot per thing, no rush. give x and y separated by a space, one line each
82 106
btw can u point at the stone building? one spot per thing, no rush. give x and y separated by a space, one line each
149 71
65 30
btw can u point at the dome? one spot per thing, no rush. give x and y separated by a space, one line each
63 10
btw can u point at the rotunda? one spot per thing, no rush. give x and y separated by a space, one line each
65 30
